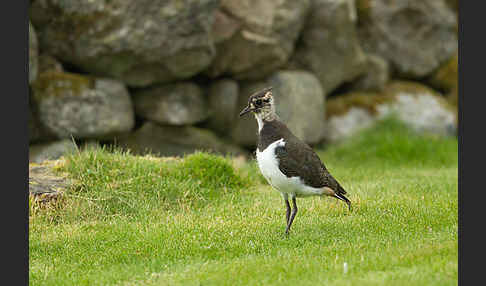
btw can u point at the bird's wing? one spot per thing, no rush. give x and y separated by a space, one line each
298 159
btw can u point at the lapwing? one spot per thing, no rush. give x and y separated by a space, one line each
288 164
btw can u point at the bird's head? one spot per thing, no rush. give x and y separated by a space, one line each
261 104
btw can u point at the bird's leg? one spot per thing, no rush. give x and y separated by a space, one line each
292 215
287 214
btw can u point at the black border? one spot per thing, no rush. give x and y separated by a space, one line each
14 27
471 168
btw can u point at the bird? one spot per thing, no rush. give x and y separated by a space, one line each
288 164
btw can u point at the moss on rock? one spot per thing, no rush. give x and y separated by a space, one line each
363 8
445 78
54 83
366 100
400 86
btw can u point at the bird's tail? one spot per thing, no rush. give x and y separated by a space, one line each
339 194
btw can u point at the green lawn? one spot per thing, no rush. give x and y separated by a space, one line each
207 220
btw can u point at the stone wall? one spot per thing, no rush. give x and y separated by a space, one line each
171 76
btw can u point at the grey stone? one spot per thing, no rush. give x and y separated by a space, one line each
256 37
138 42
415 36
33 52
83 107
162 140
300 104
50 150
223 100
181 103
329 45
376 75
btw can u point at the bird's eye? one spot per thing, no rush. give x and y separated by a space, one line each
258 102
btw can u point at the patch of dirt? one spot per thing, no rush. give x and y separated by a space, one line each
45 183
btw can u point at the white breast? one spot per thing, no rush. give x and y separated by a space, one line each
268 164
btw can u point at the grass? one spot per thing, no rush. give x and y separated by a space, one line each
200 221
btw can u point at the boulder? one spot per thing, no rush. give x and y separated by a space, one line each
418 106
80 106
375 76
33 51
329 44
181 103
223 100
299 101
255 37
138 42
166 140
415 36
50 150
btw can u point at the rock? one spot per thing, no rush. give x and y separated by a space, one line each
418 106
33 51
175 141
415 36
446 77
422 108
49 63
376 75
138 42
223 100
300 103
255 37
348 124
37 132
83 107
329 45
175 104
51 150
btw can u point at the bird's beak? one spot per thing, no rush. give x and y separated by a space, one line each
246 110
